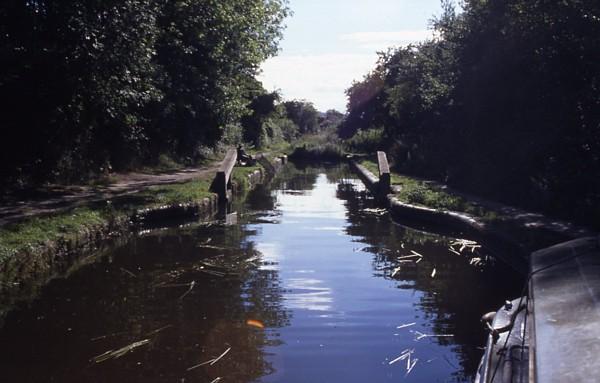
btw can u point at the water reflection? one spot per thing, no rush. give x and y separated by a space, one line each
309 287
142 291
453 297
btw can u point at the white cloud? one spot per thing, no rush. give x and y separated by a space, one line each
383 40
321 79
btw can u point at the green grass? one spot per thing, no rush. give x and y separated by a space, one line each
35 231
240 175
418 192
38 230
177 193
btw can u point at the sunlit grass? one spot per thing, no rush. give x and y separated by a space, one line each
240 175
177 193
424 193
35 231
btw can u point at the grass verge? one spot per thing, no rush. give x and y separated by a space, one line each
240 175
35 231
424 193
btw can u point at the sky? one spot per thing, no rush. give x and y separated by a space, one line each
329 43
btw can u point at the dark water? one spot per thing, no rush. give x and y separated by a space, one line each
304 289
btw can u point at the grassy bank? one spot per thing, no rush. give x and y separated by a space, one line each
240 176
428 194
36 231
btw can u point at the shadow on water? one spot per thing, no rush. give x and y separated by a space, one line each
467 282
307 287
179 292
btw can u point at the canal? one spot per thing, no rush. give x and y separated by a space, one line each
313 283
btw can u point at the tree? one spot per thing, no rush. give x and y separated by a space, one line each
504 102
90 85
303 114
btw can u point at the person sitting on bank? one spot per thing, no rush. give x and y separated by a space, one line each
243 157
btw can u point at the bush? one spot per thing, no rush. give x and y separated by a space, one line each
366 141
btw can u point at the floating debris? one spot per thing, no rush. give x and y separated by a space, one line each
192 284
114 354
218 379
476 261
395 271
213 272
433 273
220 356
211 361
128 272
420 335
154 332
199 365
464 244
255 323
403 355
375 211
411 366
411 256
406 325
417 254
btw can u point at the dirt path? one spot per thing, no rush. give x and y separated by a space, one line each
57 198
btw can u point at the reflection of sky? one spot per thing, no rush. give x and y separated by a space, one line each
316 203
344 317
271 255
309 294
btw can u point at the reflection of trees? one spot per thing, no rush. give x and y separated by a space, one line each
301 176
140 288
454 300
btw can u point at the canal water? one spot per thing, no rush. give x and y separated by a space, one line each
312 284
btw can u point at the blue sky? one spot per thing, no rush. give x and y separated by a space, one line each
329 43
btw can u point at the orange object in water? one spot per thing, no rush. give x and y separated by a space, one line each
255 323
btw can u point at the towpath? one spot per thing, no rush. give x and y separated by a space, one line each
56 198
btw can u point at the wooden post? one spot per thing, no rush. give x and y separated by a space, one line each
384 174
222 181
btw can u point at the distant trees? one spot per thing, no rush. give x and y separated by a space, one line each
87 85
331 119
303 114
504 101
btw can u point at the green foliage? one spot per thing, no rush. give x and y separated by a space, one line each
503 102
323 152
103 84
366 141
303 114
324 145
330 120
240 176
